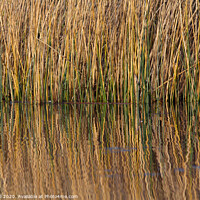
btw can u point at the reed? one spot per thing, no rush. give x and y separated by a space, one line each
108 51
0 79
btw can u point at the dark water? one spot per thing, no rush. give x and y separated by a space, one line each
99 152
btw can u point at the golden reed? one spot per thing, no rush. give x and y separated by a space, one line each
99 51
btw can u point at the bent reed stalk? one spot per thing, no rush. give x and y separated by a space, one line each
99 51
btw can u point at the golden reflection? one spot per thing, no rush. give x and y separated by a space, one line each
99 152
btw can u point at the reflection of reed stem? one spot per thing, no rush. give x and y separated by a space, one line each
99 151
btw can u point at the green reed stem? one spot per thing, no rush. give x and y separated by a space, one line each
1 86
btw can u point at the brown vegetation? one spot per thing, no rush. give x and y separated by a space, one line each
105 50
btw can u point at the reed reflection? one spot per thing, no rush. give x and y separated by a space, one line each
100 151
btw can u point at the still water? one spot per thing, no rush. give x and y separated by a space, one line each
99 152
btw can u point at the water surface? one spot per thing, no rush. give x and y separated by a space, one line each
99 151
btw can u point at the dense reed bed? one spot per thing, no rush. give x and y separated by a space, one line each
99 51
100 152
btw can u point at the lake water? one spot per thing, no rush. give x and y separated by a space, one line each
99 152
